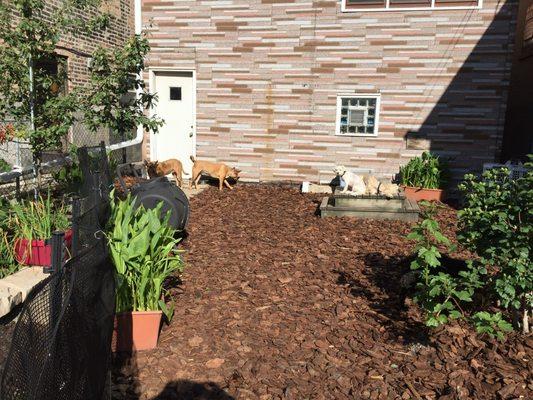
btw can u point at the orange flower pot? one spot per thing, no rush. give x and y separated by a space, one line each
136 330
418 194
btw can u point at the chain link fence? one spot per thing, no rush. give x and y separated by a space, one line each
16 161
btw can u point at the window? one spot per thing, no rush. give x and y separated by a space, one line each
175 93
54 68
383 5
358 115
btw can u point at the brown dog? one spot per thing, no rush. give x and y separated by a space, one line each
216 170
163 168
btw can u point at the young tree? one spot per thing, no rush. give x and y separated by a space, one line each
30 92
116 96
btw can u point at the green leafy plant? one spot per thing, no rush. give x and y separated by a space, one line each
116 96
143 249
491 324
33 76
427 171
69 177
438 292
496 224
37 219
4 166
8 263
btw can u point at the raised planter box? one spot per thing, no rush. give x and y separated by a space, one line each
371 207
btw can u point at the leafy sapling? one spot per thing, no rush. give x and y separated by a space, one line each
438 292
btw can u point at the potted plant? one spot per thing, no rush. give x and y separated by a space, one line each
143 250
32 224
423 178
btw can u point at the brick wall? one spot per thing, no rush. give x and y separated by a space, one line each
78 48
269 73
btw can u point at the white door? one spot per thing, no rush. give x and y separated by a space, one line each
175 139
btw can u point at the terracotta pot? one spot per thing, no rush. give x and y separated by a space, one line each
418 194
39 252
137 330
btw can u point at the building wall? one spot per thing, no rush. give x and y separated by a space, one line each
78 48
269 73
518 137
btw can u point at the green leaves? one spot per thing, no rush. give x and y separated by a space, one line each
143 249
495 223
116 96
491 324
426 171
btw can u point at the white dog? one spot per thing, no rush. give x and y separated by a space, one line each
351 180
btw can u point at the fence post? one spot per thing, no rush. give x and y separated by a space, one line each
58 254
76 210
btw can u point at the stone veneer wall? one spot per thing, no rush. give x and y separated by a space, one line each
269 72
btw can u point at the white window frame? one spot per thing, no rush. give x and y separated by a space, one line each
388 8
376 96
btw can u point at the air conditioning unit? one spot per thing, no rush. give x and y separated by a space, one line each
516 170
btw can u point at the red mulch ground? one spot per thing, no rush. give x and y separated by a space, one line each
277 303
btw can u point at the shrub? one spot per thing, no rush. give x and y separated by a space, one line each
426 171
496 224
438 292
143 249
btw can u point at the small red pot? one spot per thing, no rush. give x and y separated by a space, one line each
418 194
136 330
38 253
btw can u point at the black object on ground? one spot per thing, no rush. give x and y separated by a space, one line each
151 193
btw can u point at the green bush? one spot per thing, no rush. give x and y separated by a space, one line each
143 249
427 171
497 224
4 166
438 292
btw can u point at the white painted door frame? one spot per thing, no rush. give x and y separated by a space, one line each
151 81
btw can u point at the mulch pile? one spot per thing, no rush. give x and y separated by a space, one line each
277 303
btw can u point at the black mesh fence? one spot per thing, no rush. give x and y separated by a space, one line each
62 341
61 346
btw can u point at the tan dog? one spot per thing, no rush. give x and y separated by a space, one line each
372 184
163 168
216 170
389 190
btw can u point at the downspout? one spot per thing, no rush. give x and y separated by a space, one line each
140 131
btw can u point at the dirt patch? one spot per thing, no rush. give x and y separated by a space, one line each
6 332
277 303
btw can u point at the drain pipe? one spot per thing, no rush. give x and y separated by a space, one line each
140 131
